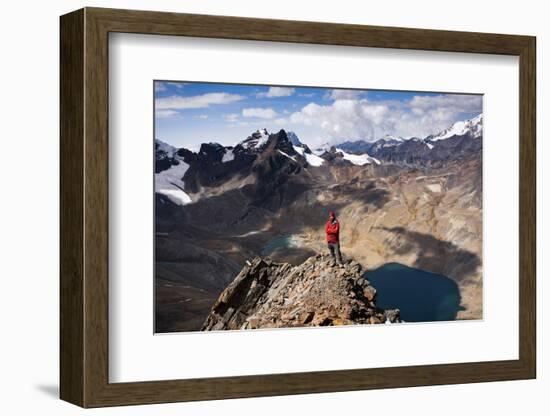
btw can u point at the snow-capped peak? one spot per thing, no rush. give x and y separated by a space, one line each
391 137
359 160
256 140
322 149
165 147
311 158
170 182
293 138
389 140
473 126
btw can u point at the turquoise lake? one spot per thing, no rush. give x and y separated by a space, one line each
421 296
277 242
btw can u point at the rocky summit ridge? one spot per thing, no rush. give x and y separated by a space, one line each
266 294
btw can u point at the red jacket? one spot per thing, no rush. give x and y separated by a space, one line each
333 231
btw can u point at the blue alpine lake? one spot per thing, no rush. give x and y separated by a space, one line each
277 242
421 296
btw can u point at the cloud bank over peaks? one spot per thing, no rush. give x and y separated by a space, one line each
352 119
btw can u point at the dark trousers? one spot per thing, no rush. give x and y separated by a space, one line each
334 249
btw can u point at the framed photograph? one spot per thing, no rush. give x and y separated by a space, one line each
255 207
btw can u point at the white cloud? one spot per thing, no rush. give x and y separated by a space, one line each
453 102
352 119
178 85
343 94
265 113
202 116
177 102
277 92
160 86
166 113
231 117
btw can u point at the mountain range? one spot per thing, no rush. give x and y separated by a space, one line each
459 140
181 172
414 201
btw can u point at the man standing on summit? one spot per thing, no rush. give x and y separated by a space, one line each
332 229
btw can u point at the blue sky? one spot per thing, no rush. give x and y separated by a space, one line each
190 113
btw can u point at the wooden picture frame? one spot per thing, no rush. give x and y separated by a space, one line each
84 207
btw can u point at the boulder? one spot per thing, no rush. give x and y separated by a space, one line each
369 292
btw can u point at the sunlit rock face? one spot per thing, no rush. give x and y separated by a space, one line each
266 294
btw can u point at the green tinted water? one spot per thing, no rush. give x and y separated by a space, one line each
277 242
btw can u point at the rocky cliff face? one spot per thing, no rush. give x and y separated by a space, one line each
266 294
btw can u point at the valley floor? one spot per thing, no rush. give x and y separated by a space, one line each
429 220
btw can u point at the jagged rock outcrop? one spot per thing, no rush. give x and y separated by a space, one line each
266 294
